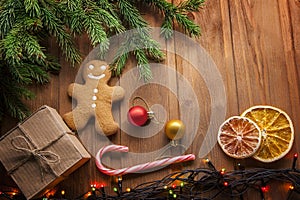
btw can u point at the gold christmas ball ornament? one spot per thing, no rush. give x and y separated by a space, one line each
175 129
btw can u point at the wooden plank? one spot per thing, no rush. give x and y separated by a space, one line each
88 174
215 41
289 11
145 143
294 49
265 69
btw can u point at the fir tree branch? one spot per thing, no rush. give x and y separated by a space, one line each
143 65
52 24
31 47
32 7
11 47
187 25
9 9
172 12
167 27
36 72
131 14
190 5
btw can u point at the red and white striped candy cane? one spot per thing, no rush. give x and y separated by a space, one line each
136 168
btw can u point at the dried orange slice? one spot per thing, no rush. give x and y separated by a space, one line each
239 137
277 132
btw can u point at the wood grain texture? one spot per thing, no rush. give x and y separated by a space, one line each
255 46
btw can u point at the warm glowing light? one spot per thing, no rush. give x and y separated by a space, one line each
225 183
206 160
62 192
118 179
222 171
174 196
89 194
13 193
115 189
165 187
173 186
128 189
1 193
296 155
181 184
170 191
265 188
102 185
50 193
291 187
93 189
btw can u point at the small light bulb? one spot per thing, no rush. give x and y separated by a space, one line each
291 187
128 190
225 183
181 184
115 189
265 188
296 155
63 192
222 171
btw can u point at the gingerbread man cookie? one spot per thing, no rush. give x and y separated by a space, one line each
94 99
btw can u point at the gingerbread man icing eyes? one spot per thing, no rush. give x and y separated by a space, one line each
94 99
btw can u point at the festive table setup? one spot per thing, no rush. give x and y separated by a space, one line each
153 100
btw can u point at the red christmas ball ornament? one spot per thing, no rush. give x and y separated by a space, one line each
137 115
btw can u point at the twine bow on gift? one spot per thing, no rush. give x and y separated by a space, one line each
44 158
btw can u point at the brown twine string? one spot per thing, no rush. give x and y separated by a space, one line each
44 158
140 98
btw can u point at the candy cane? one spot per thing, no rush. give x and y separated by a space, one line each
136 168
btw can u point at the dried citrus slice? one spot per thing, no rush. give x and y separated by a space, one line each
239 137
277 132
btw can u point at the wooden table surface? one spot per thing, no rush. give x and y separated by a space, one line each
255 46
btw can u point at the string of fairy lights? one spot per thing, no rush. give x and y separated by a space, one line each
201 184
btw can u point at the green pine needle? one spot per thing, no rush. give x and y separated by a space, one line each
32 7
191 5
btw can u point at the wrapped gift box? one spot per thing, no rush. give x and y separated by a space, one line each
40 152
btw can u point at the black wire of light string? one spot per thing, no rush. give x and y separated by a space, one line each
207 184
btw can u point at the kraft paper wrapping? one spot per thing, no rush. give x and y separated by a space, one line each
40 152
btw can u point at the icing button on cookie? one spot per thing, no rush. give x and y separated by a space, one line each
95 91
